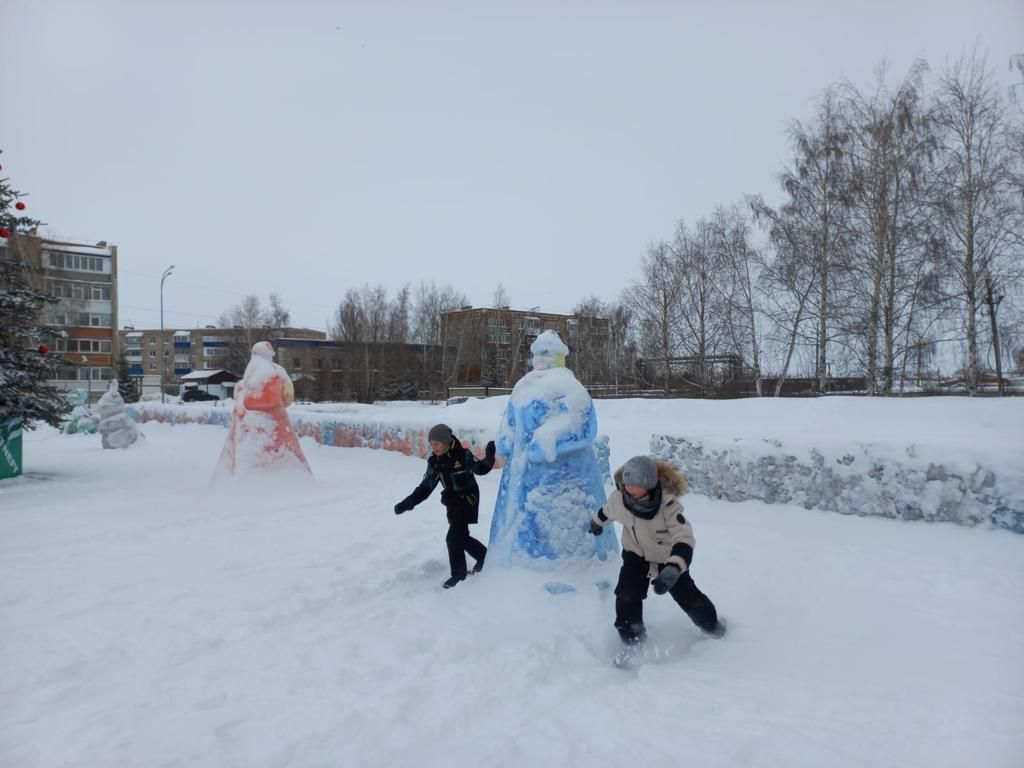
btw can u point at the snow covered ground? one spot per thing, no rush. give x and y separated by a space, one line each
147 620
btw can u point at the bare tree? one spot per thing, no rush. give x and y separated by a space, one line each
736 282
656 302
789 278
248 313
702 307
429 304
276 315
890 154
977 210
399 314
501 299
817 185
252 319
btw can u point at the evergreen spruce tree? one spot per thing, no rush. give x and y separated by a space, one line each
127 385
25 362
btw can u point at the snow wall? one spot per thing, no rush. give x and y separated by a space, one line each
356 426
942 459
863 479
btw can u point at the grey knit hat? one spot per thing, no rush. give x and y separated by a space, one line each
440 433
640 471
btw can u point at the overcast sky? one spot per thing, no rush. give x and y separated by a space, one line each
309 147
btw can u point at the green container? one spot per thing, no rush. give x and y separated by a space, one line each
10 448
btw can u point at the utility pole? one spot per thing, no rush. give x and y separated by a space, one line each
163 352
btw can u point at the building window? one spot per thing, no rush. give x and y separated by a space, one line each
319 363
152 353
296 362
337 363
152 366
75 262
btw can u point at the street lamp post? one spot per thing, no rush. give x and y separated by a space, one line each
88 379
163 352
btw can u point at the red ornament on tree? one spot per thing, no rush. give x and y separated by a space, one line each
19 205
43 349
5 232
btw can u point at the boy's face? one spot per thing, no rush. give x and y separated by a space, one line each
636 491
437 448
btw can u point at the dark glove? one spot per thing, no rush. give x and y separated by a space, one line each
403 506
447 497
666 579
490 452
596 528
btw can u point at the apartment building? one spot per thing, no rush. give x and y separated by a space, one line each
171 354
83 276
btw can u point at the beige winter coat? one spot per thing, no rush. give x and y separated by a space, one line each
668 537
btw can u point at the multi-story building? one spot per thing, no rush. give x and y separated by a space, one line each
171 354
492 345
83 277
342 371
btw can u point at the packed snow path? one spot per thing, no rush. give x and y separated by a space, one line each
148 621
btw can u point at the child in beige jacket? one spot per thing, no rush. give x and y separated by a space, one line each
657 544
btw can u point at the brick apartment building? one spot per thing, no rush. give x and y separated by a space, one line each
491 346
83 277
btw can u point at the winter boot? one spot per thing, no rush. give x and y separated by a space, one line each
478 565
633 634
719 630
454 580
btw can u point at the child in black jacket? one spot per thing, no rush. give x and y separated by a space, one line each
455 468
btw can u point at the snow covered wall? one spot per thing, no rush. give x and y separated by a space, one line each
970 483
346 426
938 458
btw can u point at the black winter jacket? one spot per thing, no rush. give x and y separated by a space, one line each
456 470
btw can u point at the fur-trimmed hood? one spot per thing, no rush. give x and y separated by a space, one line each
672 481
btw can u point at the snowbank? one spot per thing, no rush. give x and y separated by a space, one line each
937 458
942 459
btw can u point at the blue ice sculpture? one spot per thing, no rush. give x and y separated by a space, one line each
551 484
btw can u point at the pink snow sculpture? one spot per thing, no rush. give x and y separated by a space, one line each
261 437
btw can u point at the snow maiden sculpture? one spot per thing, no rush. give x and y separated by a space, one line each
551 484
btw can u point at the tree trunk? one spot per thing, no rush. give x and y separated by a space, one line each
873 317
995 333
972 310
792 339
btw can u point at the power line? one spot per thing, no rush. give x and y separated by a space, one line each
166 311
176 281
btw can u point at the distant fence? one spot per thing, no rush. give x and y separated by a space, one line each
854 386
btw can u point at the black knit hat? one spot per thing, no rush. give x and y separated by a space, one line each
440 433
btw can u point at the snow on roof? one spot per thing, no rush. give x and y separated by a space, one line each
134 334
183 333
200 375
91 250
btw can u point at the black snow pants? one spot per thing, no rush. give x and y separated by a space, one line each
631 591
460 542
